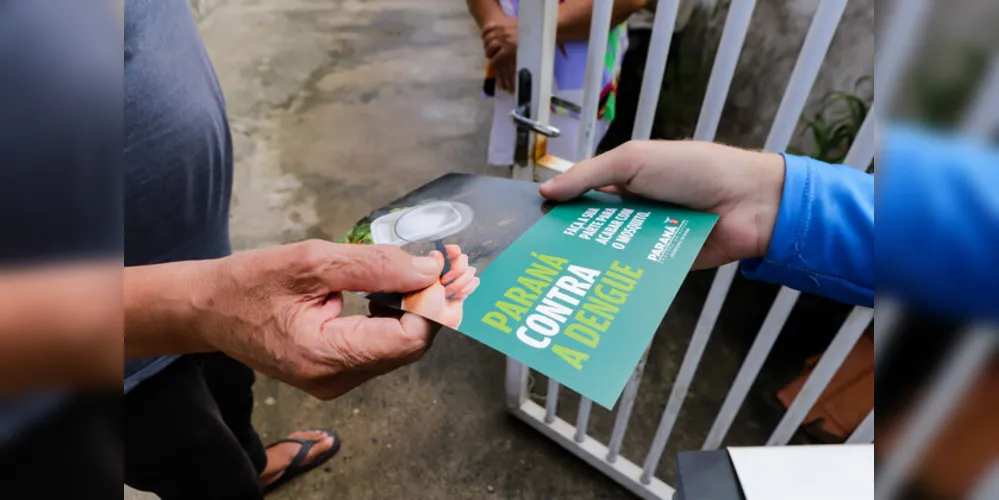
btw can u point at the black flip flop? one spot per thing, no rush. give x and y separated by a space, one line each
296 467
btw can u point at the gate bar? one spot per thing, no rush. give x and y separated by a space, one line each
596 52
551 400
970 357
583 419
864 432
988 486
516 383
593 452
758 353
655 68
813 52
733 36
537 22
893 54
823 372
698 341
624 410
982 116
806 69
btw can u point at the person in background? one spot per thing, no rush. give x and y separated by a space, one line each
498 23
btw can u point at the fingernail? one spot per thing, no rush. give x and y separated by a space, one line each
548 184
428 264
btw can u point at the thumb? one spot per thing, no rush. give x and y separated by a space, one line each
615 167
378 268
378 345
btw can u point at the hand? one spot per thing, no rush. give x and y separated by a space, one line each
505 69
743 187
499 41
460 281
444 301
278 311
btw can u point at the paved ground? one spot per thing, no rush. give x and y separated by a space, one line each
338 107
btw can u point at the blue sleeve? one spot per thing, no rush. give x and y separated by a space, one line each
938 247
823 240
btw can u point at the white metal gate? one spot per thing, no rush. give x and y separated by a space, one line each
536 42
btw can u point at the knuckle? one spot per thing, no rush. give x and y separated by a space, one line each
314 252
381 258
630 152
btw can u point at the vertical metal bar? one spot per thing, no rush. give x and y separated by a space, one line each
823 372
982 116
551 401
988 485
892 55
896 48
864 144
806 69
655 68
887 314
583 419
536 26
864 433
758 353
698 341
516 383
596 53
624 410
958 374
730 46
733 36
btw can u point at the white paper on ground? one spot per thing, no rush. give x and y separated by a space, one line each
827 472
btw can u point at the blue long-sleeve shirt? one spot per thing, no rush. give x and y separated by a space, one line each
938 247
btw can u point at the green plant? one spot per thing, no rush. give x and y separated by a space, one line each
834 126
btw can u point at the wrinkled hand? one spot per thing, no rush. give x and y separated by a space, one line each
444 301
278 310
742 187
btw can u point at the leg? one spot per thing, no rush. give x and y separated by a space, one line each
231 385
177 442
75 453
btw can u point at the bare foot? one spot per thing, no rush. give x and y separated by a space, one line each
279 456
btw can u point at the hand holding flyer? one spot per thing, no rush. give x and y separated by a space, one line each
575 290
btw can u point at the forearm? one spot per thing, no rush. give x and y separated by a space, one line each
939 232
159 308
484 11
60 326
823 238
574 17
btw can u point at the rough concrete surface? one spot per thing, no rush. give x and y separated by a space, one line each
340 106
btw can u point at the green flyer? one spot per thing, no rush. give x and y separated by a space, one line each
574 290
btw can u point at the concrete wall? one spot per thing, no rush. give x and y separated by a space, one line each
775 36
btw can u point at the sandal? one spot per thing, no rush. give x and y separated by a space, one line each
297 467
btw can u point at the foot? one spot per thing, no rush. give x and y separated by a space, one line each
279 456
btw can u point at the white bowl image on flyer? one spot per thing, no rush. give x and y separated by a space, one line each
424 223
